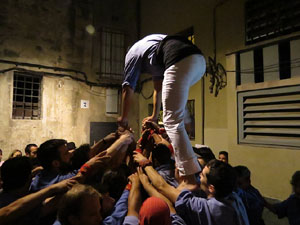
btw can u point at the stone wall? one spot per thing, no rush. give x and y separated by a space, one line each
41 36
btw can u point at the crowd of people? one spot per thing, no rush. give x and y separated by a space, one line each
120 181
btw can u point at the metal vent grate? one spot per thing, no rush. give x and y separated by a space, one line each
266 19
270 116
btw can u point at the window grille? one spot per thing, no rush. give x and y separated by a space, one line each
26 96
112 55
270 116
266 19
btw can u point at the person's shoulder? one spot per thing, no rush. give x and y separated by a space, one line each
68 175
254 189
186 195
293 198
131 220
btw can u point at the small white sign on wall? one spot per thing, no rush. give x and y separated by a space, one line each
84 104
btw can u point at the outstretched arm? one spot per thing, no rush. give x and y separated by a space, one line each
22 206
157 180
269 206
152 191
156 101
101 159
158 139
127 95
134 199
102 144
125 139
161 185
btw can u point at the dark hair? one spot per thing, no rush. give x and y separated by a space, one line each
27 148
162 154
71 145
15 172
71 202
13 152
80 156
114 181
295 178
222 176
48 152
205 153
224 153
242 172
0 151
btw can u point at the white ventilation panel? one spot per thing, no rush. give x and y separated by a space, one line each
247 67
295 58
271 63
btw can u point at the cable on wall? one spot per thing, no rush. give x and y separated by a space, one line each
39 66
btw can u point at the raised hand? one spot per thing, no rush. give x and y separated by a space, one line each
127 137
138 157
65 185
134 179
111 137
142 176
99 160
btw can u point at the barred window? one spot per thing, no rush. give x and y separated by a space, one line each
112 54
26 96
266 19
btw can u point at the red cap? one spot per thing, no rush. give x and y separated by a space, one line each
155 211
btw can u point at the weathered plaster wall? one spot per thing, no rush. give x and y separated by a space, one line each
53 33
271 167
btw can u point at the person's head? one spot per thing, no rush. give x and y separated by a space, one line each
80 206
31 150
80 155
204 155
243 176
15 153
0 154
16 173
295 182
223 156
161 155
154 211
109 180
107 204
71 145
54 154
218 179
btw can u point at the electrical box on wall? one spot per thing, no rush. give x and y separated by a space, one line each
112 101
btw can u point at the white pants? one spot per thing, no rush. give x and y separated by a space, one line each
178 79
